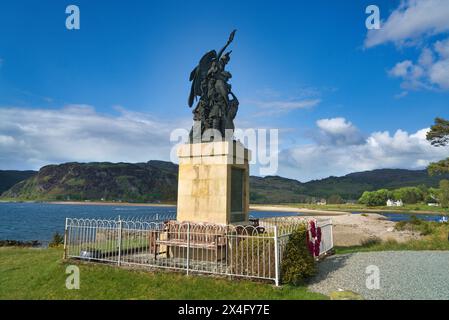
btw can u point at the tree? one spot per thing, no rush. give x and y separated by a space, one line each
438 136
364 199
440 167
439 133
424 189
335 199
433 195
444 193
409 195
375 198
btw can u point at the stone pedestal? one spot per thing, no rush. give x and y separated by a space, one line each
213 183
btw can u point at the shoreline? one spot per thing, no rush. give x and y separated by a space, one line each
254 207
435 213
98 203
301 211
106 203
339 211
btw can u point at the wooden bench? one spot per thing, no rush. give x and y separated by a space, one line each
194 236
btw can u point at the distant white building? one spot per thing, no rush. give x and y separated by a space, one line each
322 202
434 203
392 203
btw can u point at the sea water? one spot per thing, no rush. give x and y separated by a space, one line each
39 221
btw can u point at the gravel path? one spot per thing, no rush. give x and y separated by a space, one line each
403 274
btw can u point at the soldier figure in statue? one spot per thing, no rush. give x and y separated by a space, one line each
214 113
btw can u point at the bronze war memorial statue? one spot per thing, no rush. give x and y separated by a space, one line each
213 180
216 105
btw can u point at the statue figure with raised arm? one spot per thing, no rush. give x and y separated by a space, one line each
214 110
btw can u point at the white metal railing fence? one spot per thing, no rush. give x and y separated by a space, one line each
253 251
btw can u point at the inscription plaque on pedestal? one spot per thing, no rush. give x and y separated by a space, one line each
237 187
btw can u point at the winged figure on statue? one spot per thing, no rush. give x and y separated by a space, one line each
216 105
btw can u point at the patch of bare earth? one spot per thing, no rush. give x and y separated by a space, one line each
353 229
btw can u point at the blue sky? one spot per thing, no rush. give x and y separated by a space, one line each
310 69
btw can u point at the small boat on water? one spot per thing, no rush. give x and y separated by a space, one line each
443 219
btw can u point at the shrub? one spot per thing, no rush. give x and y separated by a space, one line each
390 242
371 241
401 225
298 264
426 229
444 193
253 256
417 225
57 240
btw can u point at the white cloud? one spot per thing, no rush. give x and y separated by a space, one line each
415 23
439 73
378 150
401 69
6 140
431 71
337 131
411 21
426 58
442 47
31 138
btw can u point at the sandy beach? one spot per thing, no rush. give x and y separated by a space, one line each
353 229
304 211
349 229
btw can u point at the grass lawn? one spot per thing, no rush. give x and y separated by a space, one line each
40 274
